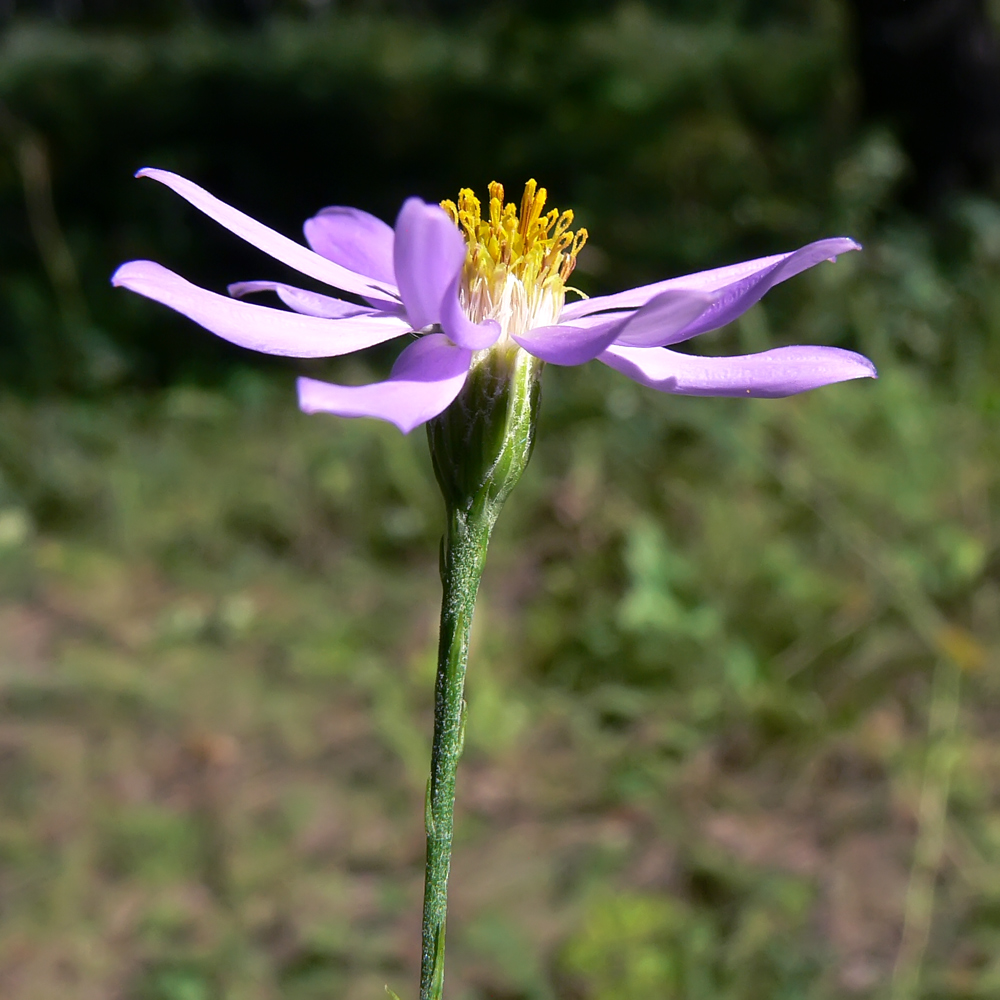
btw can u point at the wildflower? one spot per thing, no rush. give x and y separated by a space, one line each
471 284
486 294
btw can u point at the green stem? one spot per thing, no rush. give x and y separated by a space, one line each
480 446
463 556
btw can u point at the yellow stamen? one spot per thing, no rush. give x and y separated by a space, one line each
518 261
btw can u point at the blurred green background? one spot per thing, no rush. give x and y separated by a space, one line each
735 675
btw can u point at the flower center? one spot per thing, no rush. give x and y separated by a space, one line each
518 262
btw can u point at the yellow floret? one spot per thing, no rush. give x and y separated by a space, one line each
537 251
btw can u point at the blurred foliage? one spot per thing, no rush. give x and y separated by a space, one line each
165 13
734 686
632 947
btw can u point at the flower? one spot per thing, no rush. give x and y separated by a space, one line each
470 286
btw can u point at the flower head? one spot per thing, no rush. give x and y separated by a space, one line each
472 285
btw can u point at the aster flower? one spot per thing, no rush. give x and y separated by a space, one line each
484 293
465 281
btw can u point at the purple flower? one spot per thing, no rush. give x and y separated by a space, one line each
466 285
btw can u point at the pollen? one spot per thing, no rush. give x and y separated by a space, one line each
519 259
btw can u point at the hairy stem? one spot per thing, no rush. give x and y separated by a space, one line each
462 558
480 446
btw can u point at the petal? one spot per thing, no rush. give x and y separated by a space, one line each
280 247
780 372
663 319
357 240
719 279
303 301
425 379
429 253
656 323
569 345
260 328
461 329
737 298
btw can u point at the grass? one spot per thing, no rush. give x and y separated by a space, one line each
701 743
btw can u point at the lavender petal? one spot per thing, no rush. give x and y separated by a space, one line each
663 318
357 240
569 345
783 371
259 328
719 279
429 252
425 380
461 329
280 247
654 324
303 301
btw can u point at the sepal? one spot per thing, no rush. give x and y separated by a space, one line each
481 444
